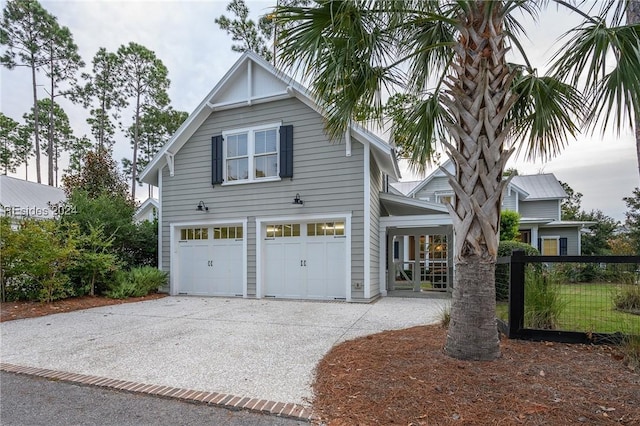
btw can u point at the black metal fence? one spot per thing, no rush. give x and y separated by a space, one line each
577 299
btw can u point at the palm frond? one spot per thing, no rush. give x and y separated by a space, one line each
585 59
545 115
418 124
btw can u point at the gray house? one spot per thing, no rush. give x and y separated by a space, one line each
256 201
537 198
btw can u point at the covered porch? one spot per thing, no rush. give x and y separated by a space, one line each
417 236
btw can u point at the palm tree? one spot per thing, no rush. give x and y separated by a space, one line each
447 61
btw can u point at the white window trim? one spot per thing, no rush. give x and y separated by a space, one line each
250 131
550 237
439 195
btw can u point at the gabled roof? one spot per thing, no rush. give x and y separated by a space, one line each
540 187
530 187
145 208
21 198
252 80
404 187
447 165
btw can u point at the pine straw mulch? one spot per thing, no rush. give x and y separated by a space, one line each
19 310
404 378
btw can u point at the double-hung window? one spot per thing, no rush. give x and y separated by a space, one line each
251 154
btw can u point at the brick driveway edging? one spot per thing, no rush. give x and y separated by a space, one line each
223 400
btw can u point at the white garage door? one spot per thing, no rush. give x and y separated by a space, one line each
210 261
305 260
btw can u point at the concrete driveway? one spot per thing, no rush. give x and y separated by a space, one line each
264 349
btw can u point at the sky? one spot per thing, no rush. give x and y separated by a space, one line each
197 53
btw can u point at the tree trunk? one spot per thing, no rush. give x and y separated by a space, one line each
50 150
472 329
134 162
478 96
633 17
36 122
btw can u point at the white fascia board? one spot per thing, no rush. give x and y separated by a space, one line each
435 173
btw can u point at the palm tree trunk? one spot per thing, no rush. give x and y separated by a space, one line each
478 98
633 17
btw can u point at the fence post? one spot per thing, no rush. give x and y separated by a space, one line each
516 293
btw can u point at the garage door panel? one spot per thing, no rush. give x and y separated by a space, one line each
227 266
283 269
209 267
310 266
193 276
326 268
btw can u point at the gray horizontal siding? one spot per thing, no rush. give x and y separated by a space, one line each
327 180
548 209
437 184
571 234
376 188
510 202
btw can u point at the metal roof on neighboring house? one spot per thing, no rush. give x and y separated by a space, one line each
540 187
20 198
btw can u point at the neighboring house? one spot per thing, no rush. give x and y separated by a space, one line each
22 199
256 201
148 210
537 198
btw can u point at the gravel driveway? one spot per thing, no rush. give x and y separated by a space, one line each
256 348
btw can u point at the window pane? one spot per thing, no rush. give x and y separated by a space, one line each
339 228
183 234
266 166
189 234
237 169
239 232
205 233
265 141
232 232
311 229
237 145
296 230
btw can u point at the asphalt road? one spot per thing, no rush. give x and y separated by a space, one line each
32 401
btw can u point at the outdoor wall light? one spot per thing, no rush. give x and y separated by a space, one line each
297 200
202 207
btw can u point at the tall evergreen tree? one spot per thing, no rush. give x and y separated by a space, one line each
79 148
24 31
58 134
9 141
146 84
104 94
62 64
156 127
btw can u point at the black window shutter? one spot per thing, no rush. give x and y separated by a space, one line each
286 151
216 159
540 245
563 246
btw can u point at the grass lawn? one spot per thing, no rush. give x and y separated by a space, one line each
589 308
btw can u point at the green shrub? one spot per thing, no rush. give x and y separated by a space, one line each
137 282
35 259
627 298
505 248
543 303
